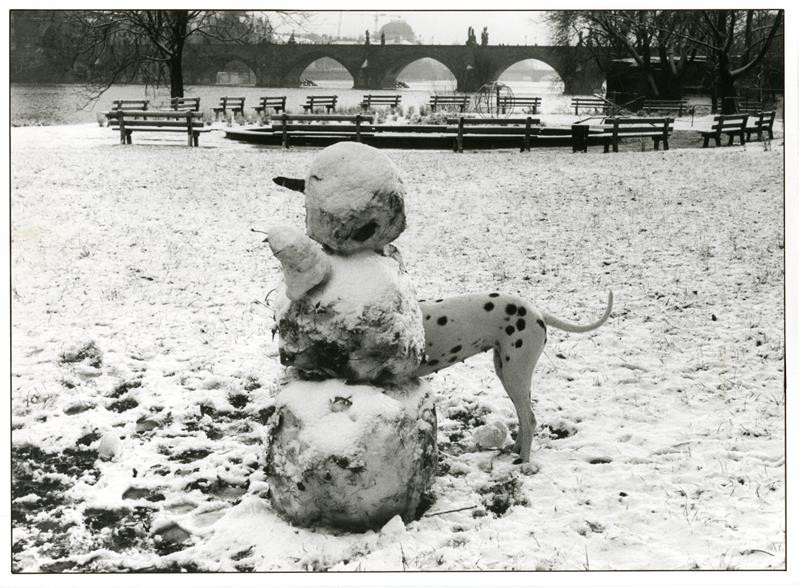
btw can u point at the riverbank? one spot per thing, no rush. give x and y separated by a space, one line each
142 335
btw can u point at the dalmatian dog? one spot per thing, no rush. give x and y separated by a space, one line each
462 326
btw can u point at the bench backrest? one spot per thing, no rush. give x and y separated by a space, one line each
292 118
272 100
232 102
130 104
729 122
588 102
765 119
450 99
520 99
180 116
321 100
381 98
639 124
180 103
509 122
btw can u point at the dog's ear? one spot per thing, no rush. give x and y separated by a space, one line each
296 184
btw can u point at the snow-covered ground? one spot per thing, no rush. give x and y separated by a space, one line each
144 366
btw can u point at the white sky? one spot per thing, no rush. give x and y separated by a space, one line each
443 27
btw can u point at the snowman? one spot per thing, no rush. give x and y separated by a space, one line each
352 441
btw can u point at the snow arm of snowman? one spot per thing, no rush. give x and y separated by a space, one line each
304 263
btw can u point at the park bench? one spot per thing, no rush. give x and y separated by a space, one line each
276 103
760 123
618 128
163 121
449 100
593 103
129 105
313 102
529 103
391 100
733 125
226 103
181 103
321 129
744 106
487 133
679 106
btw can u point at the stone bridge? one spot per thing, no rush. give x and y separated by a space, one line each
377 66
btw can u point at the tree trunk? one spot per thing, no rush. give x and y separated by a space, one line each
726 84
180 26
176 76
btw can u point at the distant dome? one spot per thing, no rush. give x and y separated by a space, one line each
397 31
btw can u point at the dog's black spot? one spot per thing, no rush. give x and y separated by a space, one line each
509 330
520 324
518 343
440 300
433 362
540 322
301 486
494 295
442 320
427 317
511 309
508 359
488 306
456 349
365 232
521 311
453 359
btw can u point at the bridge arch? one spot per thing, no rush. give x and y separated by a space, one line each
548 73
206 70
393 72
292 73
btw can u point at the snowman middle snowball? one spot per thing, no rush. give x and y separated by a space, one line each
348 310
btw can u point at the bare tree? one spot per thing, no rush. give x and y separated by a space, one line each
733 42
738 41
641 35
147 45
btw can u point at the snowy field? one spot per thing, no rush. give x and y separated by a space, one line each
144 366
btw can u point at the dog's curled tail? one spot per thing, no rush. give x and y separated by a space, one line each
556 322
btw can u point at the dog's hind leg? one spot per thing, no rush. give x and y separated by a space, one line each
515 370
459 327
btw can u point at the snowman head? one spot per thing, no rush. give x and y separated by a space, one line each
354 198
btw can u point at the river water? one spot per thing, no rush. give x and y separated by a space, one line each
55 104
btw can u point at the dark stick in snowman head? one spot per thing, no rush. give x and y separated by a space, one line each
354 198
